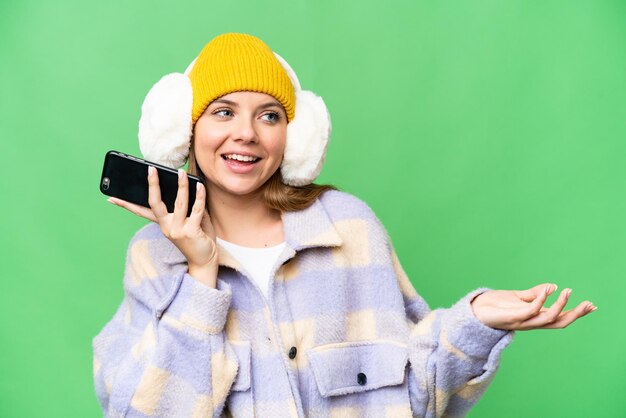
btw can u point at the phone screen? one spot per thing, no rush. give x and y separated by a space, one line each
126 177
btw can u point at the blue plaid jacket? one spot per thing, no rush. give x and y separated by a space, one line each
342 334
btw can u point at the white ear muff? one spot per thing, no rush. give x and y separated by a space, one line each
307 135
165 123
165 127
190 66
290 72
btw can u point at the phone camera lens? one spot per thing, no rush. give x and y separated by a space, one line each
105 183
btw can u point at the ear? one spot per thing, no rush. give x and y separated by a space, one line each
165 124
307 135
307 140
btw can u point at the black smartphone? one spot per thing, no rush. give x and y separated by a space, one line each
126 177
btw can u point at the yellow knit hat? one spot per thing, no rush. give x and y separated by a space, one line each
238 62
234 62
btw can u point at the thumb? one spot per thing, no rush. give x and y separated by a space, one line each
206 224
531 294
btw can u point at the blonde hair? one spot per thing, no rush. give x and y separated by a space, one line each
276 194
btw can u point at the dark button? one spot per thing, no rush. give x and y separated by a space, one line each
361 379
292 352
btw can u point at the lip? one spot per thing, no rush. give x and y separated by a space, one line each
239 167
244 153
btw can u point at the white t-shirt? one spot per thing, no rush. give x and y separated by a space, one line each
256 261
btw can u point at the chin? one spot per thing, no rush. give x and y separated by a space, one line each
242 189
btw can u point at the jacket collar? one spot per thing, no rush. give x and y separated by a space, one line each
308 228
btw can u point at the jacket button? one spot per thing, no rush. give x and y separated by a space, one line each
361 379
292 352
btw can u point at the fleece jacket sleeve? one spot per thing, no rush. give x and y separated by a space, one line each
453 356
141 357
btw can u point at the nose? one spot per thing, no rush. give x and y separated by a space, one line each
245 130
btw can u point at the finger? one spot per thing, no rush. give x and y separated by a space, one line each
197 210
154 194
182 201
136 209
566 318
535 307
530 294
550 315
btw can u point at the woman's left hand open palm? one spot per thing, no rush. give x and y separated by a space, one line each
524 309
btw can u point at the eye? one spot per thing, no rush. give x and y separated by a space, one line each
272 117
223 113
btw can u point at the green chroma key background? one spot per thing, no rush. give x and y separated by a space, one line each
488 136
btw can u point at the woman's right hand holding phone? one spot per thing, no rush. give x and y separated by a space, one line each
194 235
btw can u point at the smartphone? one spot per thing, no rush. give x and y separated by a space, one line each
126 177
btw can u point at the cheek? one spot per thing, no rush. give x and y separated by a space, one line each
278 149
207 141
204 148
278 145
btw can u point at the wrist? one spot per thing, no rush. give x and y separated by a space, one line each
206 274
476 305
473 301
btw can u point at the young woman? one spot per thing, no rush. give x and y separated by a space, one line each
277 297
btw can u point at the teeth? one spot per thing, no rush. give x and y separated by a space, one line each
238 157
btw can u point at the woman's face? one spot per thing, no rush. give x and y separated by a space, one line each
239 141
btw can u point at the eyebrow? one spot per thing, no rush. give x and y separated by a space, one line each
234 104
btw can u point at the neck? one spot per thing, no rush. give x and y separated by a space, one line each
244 220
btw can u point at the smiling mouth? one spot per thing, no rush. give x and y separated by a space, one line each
239 159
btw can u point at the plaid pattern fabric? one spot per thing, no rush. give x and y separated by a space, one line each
342 334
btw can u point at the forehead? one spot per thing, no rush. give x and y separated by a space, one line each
248 97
